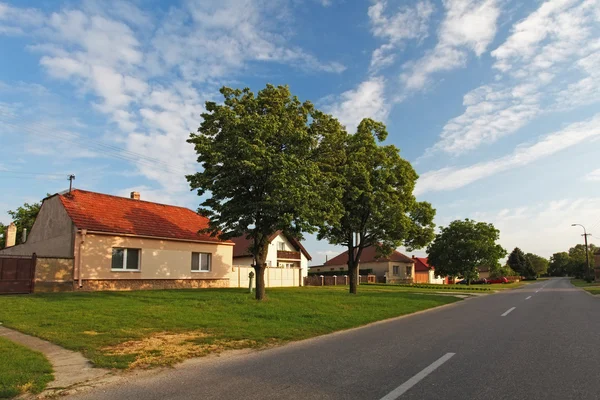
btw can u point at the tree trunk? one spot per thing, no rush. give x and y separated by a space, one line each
259 271
353 272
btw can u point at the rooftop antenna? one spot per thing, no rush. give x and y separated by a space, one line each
71 178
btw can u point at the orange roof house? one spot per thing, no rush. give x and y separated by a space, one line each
394 267
110 242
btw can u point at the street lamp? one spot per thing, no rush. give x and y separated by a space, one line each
587 257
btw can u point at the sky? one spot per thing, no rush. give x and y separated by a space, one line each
496 103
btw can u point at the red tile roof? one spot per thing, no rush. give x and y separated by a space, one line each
112 214
421 264
369 254
242 245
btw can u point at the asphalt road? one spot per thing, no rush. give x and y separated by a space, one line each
541 341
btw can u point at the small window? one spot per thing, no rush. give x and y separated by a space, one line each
409 271
281 246
201 262
125 259
396 269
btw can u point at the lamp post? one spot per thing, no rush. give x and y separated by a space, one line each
587 257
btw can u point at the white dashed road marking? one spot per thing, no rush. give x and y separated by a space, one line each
508 311
528 298
400 390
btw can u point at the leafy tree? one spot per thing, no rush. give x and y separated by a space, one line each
518 262
498 271
462 246
560 264
23 217
2 235
262 166
539 264
379 208
578 266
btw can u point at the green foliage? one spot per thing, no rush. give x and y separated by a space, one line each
264 168
577 260
224 315
377 200
2 235
539 264
22 370
444 287
23 217
560 264
498 271
519 263
463 246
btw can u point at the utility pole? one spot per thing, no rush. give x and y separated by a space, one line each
587 256
71 178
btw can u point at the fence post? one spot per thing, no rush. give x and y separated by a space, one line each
322 280
358 283
345 279
33 268
335 280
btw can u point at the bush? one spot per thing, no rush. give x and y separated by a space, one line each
442 287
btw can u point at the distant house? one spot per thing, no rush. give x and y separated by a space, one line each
425 273
104 242
484 272
396 266
284 251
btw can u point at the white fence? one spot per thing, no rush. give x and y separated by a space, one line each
274 277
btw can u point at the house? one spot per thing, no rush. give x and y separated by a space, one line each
425 273
285 251
395 267
105 242
484 272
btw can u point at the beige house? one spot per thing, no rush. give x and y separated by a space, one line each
104 242
284 251
395 267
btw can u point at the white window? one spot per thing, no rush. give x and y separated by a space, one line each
409 271
125 259
396 269
201 262
281 246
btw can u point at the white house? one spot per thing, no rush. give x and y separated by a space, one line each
284 252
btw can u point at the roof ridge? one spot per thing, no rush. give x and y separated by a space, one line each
123 198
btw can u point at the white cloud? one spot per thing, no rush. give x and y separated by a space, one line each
450 178
366 101
469 25
553 41
550 220
406 23
16 21
151 76
593 176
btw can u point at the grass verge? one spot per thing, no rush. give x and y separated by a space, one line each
593 287
22 370
150 328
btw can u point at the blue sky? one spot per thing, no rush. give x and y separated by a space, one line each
495 102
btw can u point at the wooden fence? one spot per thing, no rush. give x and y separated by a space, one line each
321 280
274 277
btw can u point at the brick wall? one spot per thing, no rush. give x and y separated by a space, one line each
149 284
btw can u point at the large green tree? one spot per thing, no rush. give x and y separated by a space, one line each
518 262
464 245
2 235
379 208
578 265
262 168
560 264
539 264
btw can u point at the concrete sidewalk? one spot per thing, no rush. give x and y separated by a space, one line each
70 367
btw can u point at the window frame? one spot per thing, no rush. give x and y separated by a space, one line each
409 271
395 270
281 246
200 262
124 268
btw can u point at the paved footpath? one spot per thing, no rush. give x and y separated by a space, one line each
541 341
70 367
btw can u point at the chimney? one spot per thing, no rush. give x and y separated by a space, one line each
11 235
24 235
135 195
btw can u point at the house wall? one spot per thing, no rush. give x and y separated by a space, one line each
169 262
272 255
433 278
51 234
380 269
53 274
484 274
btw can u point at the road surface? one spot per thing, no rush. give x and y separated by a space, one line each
541 341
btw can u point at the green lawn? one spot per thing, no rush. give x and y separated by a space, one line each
148 328
593 288
22 370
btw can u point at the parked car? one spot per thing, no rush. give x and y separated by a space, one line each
481 281
498 280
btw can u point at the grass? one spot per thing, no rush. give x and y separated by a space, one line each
593 287
22 370
149 328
